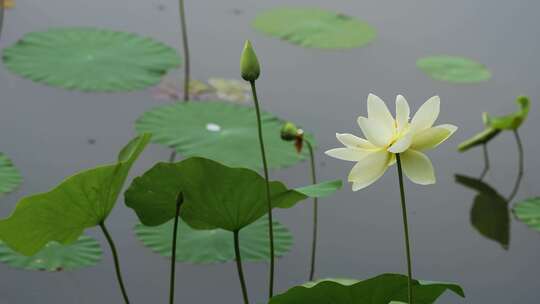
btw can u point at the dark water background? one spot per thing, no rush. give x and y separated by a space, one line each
46 131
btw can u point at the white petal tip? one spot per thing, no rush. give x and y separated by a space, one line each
425 183
435 98
357 187
452 128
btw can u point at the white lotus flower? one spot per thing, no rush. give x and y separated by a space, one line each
386 137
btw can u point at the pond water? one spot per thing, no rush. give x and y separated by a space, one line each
50 133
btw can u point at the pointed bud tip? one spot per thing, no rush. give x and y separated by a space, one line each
249 64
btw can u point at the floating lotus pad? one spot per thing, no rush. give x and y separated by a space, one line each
85 252
528 211
215 246
383 289
220 131
10 178
89 59
454 69
315 28
81 201
215 196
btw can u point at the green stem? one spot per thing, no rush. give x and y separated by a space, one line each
173 156
268 199
521 166
239 267
186 49
2 11
187 63
116 261
315 212
179 201
405 229
486 161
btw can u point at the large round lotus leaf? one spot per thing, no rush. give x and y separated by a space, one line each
85 252
89 59
528 211
214 246
214 195
454 69
9 176
81 201
383 289
220 131
342 281
315 28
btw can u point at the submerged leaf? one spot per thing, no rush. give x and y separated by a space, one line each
218 131
215 196
315 28
490 214
10 178
512 121
382 289
170 89
84 252
89 59
231 89
217 245
528 211
82 201
454 69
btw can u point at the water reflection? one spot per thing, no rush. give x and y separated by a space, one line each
490 212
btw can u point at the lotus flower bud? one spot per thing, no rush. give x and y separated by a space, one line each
289 131
249 64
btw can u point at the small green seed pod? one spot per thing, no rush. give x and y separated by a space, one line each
289 131
249 64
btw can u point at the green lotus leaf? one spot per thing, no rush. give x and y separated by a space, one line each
490 214
216 245
382 289
315 28
528 211
82 201
481 138
342 281
512 121
454 69
215 195
84 252
89 59
219 131
10 178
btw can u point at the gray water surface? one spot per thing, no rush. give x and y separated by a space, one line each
46 132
